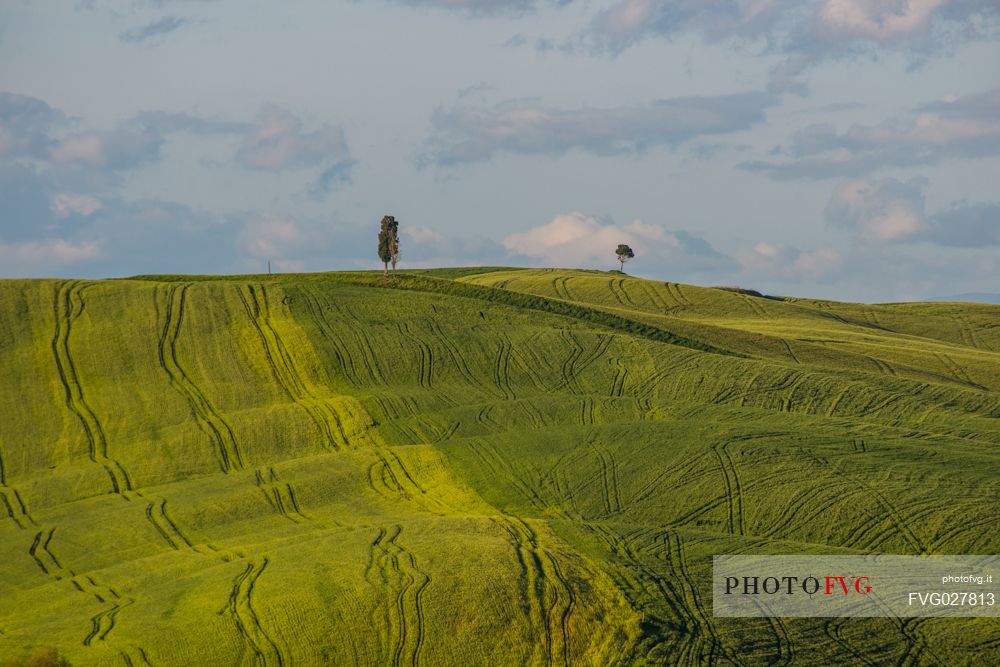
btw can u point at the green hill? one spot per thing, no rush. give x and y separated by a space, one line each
475 467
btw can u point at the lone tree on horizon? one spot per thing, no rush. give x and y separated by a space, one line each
388 243
624 254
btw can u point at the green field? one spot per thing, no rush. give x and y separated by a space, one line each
475 467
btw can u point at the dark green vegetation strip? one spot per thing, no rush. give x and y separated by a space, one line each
425 283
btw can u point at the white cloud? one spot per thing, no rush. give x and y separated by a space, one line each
268 235
575 239
877 20
35 256
420 234
954 127
473 134
623 22
276 141
879 211
579 240
809 30
817 263
781 262
65 204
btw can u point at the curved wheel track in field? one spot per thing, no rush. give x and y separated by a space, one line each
694 640
425 356
974 338
616 293
390 478
240 607
674 290
958 372
618 382
501 370
12 503
209 420
484 416
527 369
892 512
360 333
68 304
393 569
331 335
560 289
972 527
550 599
578 360
503 471
156 514
690 597
280 495
755 307
455 353
630 302
832 628
566 369
734 491
322 414
610 489
656 299
102 623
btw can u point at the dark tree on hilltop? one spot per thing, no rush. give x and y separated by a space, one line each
624 254
388 243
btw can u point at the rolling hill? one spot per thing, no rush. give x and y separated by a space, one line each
475 467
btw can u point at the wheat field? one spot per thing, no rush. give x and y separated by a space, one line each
475 467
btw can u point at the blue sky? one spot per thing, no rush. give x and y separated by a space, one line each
844 149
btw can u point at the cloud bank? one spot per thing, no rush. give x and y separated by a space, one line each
466 134
955 128
579 240
807 30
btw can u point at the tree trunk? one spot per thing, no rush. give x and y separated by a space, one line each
623 264
385 269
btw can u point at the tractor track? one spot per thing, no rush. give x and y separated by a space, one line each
327 331
360 334
618 382
156 514
425 356
456 354
280 495
550 598
283 367
393 568
68 304
734 491
240 608
501 370
209 420
102 623
501 469
12 501
832 629
674 290
616 293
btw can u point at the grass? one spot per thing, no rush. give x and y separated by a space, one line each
474 466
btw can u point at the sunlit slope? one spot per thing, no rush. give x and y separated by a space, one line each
339 469
956 343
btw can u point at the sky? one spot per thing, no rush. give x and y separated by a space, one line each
842 149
